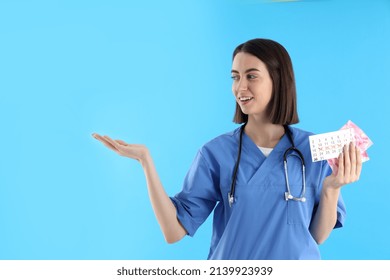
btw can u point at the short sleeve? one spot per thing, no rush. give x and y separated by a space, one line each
341 211
198 196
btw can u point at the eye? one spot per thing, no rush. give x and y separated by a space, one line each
235 77
251 76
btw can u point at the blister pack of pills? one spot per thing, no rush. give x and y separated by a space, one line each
328 146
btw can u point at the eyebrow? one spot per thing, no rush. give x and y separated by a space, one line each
248 70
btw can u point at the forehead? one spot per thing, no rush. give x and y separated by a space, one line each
243 61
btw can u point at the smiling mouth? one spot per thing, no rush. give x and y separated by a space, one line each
245 99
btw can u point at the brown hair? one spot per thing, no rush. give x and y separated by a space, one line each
282 108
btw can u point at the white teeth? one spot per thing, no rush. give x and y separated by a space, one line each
245 98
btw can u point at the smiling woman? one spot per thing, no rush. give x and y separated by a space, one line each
256 218
252 84
276 70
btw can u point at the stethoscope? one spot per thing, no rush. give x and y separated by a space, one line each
289 152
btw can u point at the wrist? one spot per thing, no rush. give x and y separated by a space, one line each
145 158
330 192
330 183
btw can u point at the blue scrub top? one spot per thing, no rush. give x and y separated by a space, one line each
261 224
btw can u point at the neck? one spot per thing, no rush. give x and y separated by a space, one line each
264 133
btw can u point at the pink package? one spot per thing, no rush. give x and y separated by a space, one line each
362 142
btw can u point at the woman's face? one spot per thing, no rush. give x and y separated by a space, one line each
252 84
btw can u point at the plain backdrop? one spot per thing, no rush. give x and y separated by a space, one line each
158 73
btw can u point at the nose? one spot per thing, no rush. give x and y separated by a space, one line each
240 86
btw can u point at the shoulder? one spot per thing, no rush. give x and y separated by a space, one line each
221 144
226 138
218 151
300 131
300 136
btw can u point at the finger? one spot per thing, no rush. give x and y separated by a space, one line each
102 139
96 136
111 141
105 142
108 145
121 142
118 147
359 163
352 155
340 172
347 164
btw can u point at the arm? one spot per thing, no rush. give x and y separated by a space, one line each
162 205
350 166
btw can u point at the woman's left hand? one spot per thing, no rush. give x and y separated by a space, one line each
350 166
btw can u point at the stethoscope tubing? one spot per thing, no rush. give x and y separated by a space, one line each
287 195
233 185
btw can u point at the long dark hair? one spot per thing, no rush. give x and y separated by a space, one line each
282 108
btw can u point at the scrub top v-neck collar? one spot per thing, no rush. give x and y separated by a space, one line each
264 164
249 146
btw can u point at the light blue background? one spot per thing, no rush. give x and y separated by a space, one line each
157 72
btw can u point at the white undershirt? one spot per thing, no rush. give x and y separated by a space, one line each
265 151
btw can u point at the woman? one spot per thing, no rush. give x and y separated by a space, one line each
260 211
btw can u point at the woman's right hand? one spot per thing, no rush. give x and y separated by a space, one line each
134 151
163 207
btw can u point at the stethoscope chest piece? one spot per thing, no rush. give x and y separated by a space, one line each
230 199
288 196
